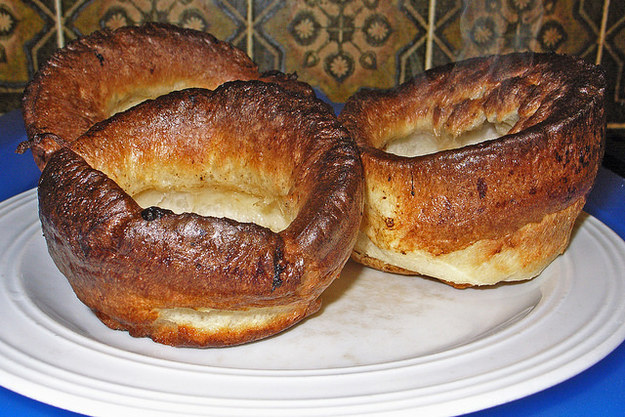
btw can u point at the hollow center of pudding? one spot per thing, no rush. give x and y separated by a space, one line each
427 141
265 210
212 181
121 100
215 320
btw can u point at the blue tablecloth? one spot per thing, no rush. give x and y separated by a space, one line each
600 390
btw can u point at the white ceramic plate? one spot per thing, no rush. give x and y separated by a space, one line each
381 344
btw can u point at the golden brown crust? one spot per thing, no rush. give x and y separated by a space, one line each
446 201
95 76
128 263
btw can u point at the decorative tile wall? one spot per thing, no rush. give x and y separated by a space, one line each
341 45
27 38
336 45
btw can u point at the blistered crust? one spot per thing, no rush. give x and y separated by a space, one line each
99 75
135 266
446 201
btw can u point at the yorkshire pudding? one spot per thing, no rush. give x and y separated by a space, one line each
96 76
134 213
476 171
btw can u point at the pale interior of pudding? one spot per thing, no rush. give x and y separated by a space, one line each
214 320
119 102
221 201
487 261
223 187
424 142
229 189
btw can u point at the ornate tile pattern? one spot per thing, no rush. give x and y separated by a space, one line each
267 52
447 34
613 60
336 45
341 45
411 57
486 27
27 38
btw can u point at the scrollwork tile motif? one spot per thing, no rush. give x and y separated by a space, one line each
341 45
8 22
352 33
613 60
27 38
500 26
336 45
411 55
82 17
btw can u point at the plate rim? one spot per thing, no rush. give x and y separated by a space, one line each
582 362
